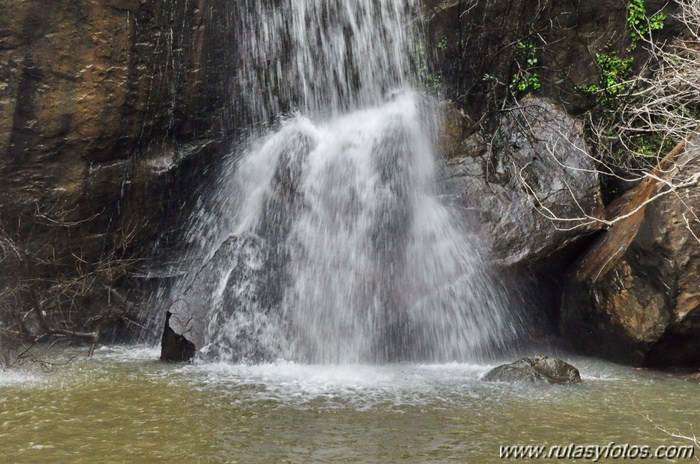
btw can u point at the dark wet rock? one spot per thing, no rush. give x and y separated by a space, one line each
646 309
225 307
540 369
228 307
175 347
537 165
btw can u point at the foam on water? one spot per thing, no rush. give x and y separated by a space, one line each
356 385
12 377
128 353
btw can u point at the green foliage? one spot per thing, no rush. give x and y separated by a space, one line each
652 147
615 72
431 82
643 150
526 77
639 22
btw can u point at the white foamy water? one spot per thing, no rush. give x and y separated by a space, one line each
122 405
360 385
338 250
325 240
12 377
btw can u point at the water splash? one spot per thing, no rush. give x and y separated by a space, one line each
327 242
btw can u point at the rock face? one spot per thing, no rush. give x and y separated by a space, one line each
110 111
536 166
94 102
220 311
540 369
480 51
646 310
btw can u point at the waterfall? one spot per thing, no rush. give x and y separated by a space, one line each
321 57
326 240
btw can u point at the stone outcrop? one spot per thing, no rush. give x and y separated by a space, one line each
110 113
646 309
224 308
535 167
539 370
480 53
225 305
175 347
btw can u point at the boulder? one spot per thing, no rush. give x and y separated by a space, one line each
537 166
227 309
539 369
646 309
224 308
175 347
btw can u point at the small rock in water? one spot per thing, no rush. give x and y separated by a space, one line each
538 369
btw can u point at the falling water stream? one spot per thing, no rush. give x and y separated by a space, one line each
326 240
341 312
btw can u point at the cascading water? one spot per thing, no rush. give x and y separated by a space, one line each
321 57
326 242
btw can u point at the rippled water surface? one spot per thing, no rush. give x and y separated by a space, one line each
123 405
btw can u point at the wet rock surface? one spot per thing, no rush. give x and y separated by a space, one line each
646 310
224 297
226 307
539 369
175 347
110 115
537 166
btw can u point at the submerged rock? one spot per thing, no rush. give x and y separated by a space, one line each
539 369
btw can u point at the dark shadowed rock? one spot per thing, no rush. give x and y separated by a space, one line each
175 347
537 165
540 369
231 286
